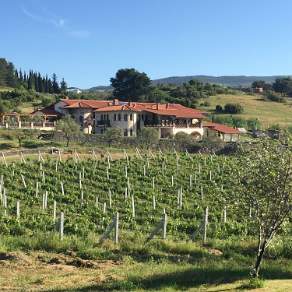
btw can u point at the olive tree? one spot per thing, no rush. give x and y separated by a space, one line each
68 127
113 135
148 137
267 190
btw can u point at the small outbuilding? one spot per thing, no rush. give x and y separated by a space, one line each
225 133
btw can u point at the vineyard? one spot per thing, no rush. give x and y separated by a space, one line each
194 191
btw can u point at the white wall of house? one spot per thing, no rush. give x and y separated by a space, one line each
224 137
190 131
230 137
127 121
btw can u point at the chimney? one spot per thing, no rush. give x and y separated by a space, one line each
115 102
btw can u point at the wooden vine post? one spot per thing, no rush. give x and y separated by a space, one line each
162 225
61 230
205 224
114 225
117 228
18 209
55 211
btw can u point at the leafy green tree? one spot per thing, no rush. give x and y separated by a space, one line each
148 136
233 108
130 85
253 124
283 86
113 135
267 190
68 127
22 135
258 84
3 107
183 141
157 95
46 101
273 96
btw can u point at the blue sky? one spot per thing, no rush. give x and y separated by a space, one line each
87 41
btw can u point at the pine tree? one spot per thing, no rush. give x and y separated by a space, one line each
20 75
55 84
40 83
50 86
63 86
46 81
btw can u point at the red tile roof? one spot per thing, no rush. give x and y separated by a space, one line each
114 108
48 111
221 128
86 103
169 109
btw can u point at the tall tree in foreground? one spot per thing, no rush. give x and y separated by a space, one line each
68 127
268 192
130 85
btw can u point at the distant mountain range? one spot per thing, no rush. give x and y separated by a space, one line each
232 81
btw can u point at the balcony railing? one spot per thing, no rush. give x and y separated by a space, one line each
173 125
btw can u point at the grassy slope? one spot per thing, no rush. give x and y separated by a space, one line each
4 88
255 107
158 266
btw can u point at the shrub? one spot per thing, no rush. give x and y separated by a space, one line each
253 124
183 140
233 108
148 136
239 123
205 103
31 144
254 283
273 96
219 108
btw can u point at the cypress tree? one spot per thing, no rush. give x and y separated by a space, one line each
55 84
63 86
20 75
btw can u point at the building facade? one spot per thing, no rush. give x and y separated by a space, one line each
95 116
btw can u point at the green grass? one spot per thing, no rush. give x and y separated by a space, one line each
158 266
5 88
268 113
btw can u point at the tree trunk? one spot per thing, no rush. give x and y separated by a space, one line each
260 254
68 140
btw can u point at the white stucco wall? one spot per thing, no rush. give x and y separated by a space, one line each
122 124
190 130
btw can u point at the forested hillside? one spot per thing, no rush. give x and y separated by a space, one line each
23 91
31 80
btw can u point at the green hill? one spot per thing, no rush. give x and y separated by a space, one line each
233 81
255 107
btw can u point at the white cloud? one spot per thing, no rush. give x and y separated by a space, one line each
58 22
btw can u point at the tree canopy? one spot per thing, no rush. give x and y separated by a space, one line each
68 127
130 85
267 181
11 77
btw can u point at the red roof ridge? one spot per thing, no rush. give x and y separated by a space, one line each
221 128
